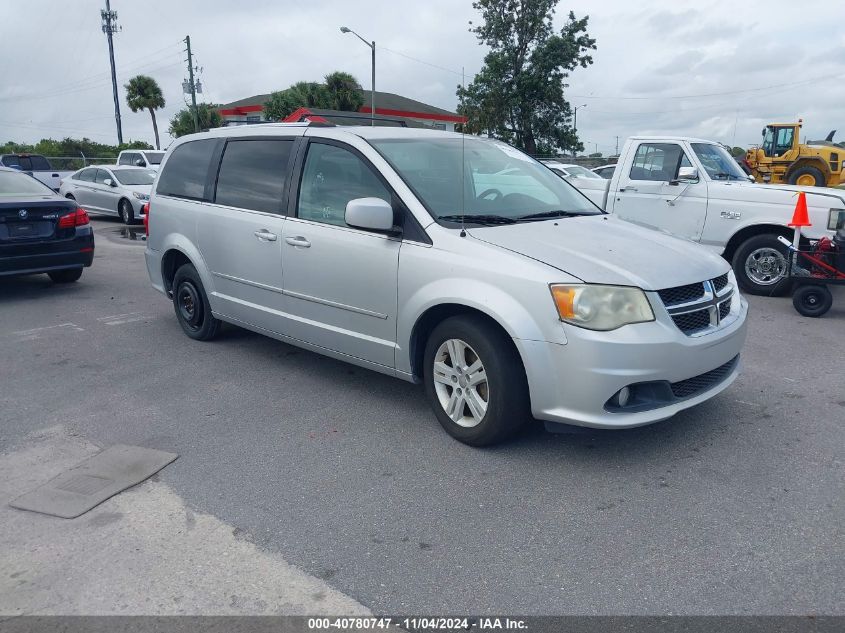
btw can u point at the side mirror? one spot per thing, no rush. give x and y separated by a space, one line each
373 214
109 182
139 162
687 173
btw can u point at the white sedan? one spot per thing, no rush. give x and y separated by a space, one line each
112 189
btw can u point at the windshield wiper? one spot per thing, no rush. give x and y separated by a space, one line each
478 219
559 213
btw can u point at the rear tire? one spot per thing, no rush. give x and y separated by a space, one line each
812 300
475 381
191 305
760 264
67 276
126 212
804 174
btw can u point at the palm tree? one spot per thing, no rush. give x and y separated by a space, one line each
143 93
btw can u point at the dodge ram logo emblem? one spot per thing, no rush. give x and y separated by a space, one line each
22 213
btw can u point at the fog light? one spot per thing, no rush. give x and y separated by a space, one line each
623 396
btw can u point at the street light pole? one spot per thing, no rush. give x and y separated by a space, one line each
575 123
372 46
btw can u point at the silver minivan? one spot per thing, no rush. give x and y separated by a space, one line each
457 262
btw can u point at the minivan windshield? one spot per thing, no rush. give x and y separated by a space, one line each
154 158
481 181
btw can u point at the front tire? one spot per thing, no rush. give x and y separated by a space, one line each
475 381
126 212
807 177
191 305
812 300
67 276
760 264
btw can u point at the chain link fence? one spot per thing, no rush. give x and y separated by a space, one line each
72 163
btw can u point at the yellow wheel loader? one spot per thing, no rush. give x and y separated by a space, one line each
783 159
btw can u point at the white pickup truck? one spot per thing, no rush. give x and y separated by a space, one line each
694 189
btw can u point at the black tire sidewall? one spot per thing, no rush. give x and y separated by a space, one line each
803 293
770 240
129 218
508 404
209 327
65 276
815 172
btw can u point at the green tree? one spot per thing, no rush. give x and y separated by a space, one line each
182 122
143 93
518 94
737 152
341 91
344 91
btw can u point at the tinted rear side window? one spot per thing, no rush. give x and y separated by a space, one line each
39 163
253 174
87 174
186 170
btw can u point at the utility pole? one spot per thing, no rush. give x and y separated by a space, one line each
192 85
617 146
110 26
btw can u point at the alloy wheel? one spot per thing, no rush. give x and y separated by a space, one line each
460 382
765 266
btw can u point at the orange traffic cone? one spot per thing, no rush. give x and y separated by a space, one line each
800 217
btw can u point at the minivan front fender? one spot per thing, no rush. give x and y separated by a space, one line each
437 300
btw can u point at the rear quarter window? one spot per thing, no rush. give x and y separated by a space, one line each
39 163
253 173
185 173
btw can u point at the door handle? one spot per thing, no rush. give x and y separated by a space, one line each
298 241
265 236
628 188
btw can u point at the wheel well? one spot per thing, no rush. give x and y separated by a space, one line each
126 200
429 319
170 263
758 229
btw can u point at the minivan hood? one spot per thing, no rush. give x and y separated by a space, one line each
605 250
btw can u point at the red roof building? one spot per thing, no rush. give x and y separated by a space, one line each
389 106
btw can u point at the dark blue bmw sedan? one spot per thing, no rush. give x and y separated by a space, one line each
41 232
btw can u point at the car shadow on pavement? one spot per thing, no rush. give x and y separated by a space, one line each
34 286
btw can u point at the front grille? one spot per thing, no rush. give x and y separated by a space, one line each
698 384
720 282
724 309
691 322
681 294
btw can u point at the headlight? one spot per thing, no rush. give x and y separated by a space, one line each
836 219
601 307
141 196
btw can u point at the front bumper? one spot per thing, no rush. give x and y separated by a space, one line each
574 383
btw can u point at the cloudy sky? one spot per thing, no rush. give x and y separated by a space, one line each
719 69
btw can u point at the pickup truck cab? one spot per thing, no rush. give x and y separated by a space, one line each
693 189
140 158
36 166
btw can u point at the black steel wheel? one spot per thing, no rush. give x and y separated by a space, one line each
812 300
191 305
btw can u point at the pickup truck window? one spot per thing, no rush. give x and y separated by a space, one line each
658 161
39 163
718 164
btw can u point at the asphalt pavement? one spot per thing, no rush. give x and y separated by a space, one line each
733 507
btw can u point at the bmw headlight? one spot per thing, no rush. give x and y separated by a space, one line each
141 196
601 307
